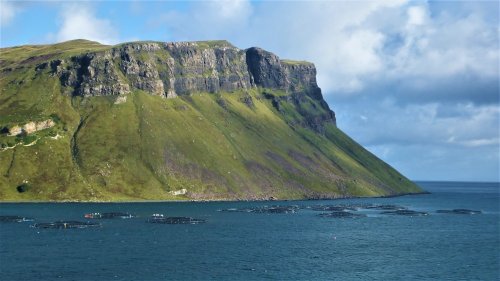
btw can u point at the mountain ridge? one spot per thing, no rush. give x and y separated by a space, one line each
177 120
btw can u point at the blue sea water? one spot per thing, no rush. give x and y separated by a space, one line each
249 246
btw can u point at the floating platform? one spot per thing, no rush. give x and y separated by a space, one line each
459 212
334 208
341 214
409 213
386 207
14 219
174 220
66 225
265 210
110 215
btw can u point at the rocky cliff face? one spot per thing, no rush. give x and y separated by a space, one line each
182 68
268 71
30 127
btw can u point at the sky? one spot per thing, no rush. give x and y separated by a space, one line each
415 82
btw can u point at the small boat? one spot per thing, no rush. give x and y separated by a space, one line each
112 215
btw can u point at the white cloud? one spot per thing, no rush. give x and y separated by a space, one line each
417 15
360 50
432 124
425 162
80 22
7 12
231 10
428 141
446 46
482 142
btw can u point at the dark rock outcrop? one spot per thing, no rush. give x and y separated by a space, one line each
266 69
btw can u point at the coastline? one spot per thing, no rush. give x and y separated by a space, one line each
216 200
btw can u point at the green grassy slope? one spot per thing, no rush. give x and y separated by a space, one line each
216 146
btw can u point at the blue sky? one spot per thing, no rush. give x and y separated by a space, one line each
417 83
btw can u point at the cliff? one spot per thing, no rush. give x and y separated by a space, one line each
146 119
183 68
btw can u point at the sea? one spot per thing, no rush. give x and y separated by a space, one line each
262 246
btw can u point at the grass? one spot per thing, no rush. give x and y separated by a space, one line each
28 55
213 44
295 62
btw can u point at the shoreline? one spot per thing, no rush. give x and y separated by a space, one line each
215 200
